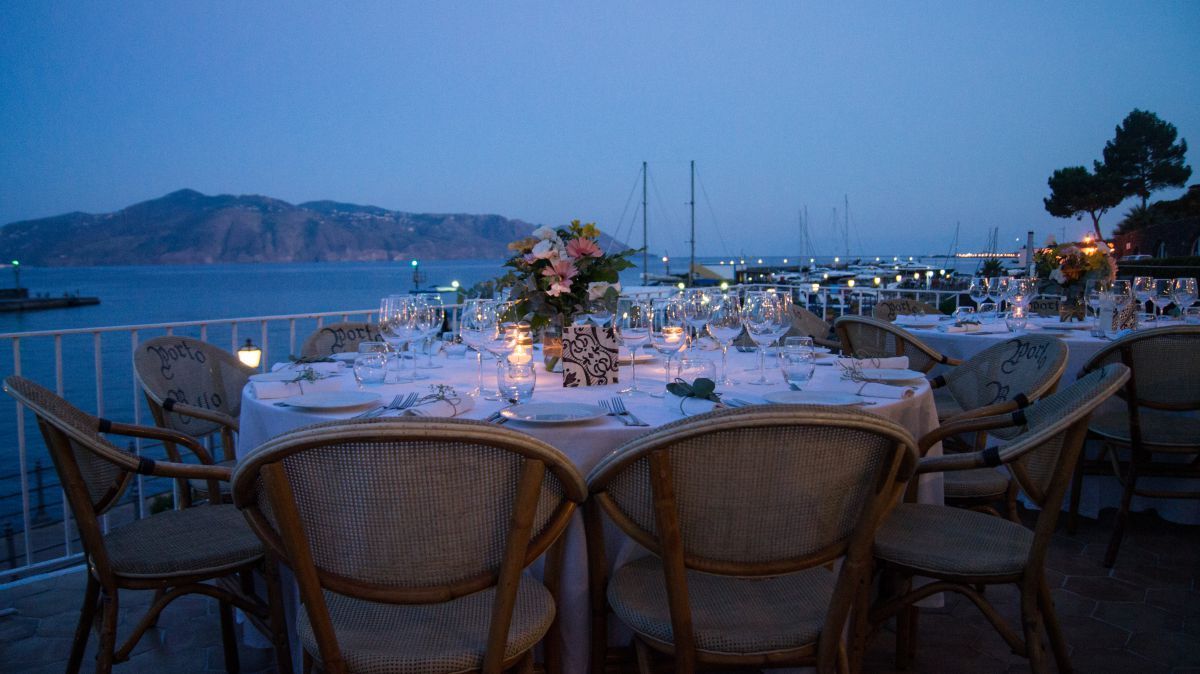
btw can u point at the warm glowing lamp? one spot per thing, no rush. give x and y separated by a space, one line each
850 283
250 355
878 280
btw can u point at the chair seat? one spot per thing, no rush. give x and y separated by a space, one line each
730 615
977 483
427 638
197 540
1161 430
202 485
944 541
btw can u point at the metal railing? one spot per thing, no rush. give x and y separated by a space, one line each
45 538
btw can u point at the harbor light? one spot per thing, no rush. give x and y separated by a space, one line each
850 283
742 262
680 285
812 260
454 284
917 276
877 259
724 285
816 287
785 260
415 263
16 265
760 260
878 280
895 259
825 276
837 260
249 354
731 262
898 278
928 273
910 258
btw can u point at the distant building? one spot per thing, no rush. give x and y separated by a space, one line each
1177 234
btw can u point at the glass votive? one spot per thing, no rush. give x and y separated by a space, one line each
986 312
516 380
963 314
796 363
692 368
370 369
1015 320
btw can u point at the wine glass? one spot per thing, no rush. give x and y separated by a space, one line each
978 290
725 324
697 307
668 333
1183 291
1094 290
477 321
1162 296
633 323
430 319
398 328
763 316
1143 289
995 290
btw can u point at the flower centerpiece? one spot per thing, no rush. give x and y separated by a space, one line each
556 274
1067 268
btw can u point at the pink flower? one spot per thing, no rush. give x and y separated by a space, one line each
563 269
559 288
582 247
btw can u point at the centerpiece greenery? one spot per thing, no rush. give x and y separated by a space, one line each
1068 267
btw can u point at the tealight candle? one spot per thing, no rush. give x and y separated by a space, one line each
519 338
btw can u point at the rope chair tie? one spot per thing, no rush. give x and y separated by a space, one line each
1018 418
1022 400
103 425
168 404
145 465
991 457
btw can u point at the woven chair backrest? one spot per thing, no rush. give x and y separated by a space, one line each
1038 448
406 503
72 439
193 373
757 488
864 337
888 310
1029 365
1165 364
807 324
339 338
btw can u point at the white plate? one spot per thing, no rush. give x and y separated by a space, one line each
331 400
812 398
885 375
347 357
278 375
825 359
927 325
553 413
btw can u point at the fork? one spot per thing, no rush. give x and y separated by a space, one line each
618 408
608 410
400 402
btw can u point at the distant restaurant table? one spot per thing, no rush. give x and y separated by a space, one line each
585 444
1099 491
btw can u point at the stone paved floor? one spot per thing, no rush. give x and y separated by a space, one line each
1142 616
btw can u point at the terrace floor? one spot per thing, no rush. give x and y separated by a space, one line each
1141 616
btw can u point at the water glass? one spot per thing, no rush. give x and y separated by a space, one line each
370 368
1015 320
986 312
516 380
797 361
1191 315
1143 288
1183 291
964 314
691 368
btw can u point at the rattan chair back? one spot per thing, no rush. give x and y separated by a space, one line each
1165 364
188 371
888 310
755 490
863 337
1029 366
806 323
339 338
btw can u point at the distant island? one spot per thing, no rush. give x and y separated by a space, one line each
187 227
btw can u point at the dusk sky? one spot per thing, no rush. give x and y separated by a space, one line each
924 114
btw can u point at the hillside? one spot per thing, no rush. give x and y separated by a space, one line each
187 227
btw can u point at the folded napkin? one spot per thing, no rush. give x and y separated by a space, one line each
443 408
892 363
876 390
687 406
913 319
319 368
985 328
264 390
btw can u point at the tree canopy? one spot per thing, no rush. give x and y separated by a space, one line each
1075 190
1143 154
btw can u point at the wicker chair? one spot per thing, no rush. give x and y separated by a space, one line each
807 324
195 388
743 510
864 337
339 338
408 538
174 553
1002 378
1161 416
964 550
888 310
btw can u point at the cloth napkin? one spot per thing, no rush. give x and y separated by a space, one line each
877 390
687 406
985 328
913 319
443 409
893 363
319 368
265 390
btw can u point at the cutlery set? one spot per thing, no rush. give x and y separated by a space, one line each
616 408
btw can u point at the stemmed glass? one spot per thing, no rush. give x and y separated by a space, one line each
764 315
1162 296
725 324
978 290
668 333
1143 289
633 323
995 290
1183 291
697 307
397 325
1092 295
478 320
430 319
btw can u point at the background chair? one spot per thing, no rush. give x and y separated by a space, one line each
807 324
863 337
339 338
1161 415
174 553
888 310
743 510
962 550
194 388
409 537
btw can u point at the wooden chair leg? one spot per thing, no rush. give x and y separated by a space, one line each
525 665
1031 621
1010 503
860 625
1058 642
645 665
83 631
1122 520
229 638
108 632
276 619
308 663
1076 493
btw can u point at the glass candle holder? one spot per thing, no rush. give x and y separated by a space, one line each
516 380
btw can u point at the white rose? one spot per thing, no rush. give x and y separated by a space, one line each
544 249
596 290
544 233
1058 277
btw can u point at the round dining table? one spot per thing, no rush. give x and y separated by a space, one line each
585 444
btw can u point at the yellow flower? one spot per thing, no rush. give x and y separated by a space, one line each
590 231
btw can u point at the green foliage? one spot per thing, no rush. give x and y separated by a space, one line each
1075 191
992 267
1140 216
702 388
1144 156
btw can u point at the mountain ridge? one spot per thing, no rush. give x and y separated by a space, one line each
189 227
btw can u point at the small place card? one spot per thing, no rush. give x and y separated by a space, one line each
589 355
1046 306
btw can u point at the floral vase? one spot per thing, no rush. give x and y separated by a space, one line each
552 346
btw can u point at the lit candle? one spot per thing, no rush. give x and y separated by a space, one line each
519 337
672 334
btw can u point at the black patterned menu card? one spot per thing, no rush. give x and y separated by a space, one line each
589 356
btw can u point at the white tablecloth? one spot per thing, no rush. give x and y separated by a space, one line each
585 444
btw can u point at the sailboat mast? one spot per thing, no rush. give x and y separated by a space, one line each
645 230
692 203
846 231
